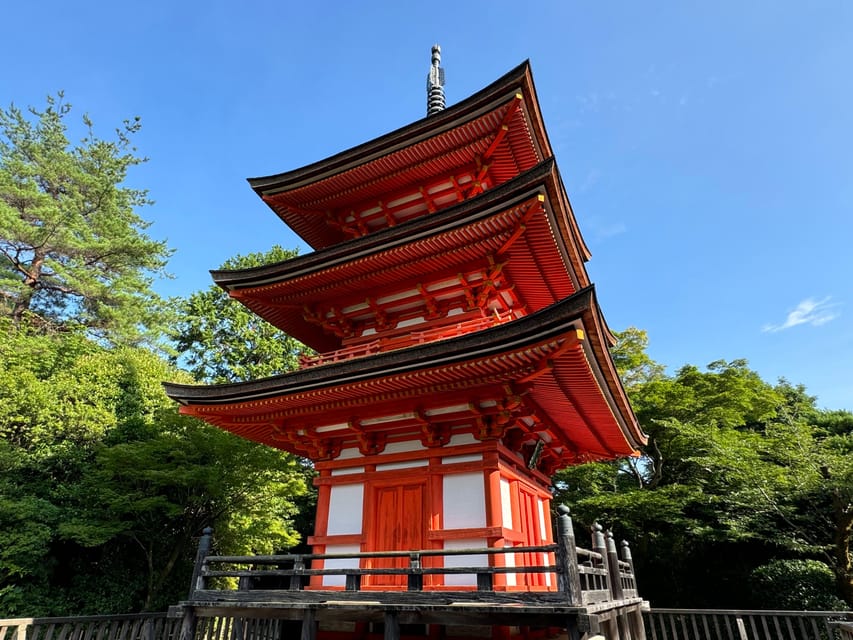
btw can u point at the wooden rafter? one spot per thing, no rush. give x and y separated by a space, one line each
521 224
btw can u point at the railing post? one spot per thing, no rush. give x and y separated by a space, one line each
568 576
353 582
199 582
613 566
627 557
599 546
309 625
415 580
296 576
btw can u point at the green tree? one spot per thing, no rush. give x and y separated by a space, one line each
219 340
104 486
73 249
735 469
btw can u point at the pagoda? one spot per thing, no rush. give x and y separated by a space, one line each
461 356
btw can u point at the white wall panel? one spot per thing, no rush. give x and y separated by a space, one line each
342 563
405 464
464 579
506 503
346 504
464 501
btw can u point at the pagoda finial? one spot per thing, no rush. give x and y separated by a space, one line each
435 83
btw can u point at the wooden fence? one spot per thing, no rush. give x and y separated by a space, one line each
141 626
661 624
718 624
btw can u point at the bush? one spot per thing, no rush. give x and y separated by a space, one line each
795 585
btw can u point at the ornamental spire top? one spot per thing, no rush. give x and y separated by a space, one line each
435 83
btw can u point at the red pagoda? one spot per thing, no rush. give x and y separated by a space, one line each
461 354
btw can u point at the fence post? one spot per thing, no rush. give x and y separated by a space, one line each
599 546
188 624
627 557
568 576
198 581
613 566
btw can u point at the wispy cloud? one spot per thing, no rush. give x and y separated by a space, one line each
809 311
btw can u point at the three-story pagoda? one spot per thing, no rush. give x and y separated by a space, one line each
461 354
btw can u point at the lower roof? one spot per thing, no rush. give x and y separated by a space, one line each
572 383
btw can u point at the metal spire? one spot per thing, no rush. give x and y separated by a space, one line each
435 83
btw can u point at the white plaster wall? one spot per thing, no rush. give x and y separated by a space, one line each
474 457
346 504
464 501
506 504
464 579
347 471
509 561
543 533
544 536
404 447
462 438
405 464
343 563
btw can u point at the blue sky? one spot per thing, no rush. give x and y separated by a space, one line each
707 147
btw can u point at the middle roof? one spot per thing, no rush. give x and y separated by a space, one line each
505 238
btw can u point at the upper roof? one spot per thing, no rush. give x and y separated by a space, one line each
526 222
480 142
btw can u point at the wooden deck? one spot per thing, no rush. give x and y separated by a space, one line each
591 591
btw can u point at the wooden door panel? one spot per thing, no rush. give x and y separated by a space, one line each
398 525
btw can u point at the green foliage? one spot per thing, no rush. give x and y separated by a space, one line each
735 469
104 486
795 585
220 340
634 364
73 250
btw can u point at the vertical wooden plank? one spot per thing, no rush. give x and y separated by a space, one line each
392 626
684 630
752 625
777 628
741 628
652 618
665 620
815 628
309 626
766 627
728 627
572 631
802 626
716 622
707 631
694 626
638 628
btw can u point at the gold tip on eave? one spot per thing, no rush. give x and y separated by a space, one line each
519 95
580 334
540 197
